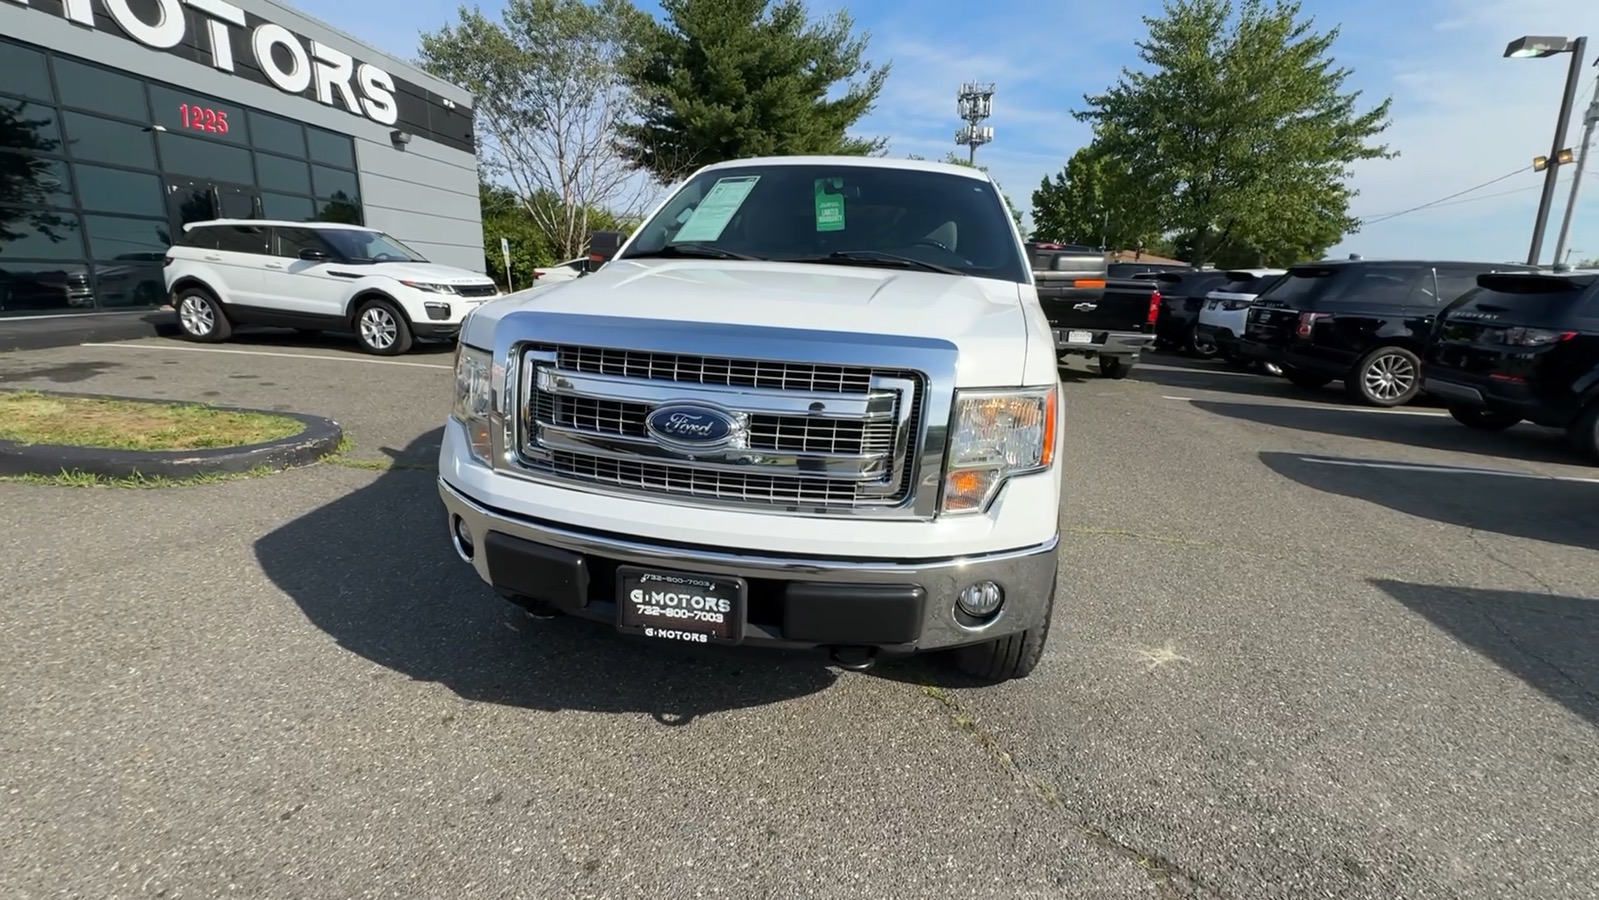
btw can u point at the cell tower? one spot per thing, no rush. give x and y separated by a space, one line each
974 102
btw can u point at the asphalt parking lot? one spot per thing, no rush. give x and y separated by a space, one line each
1308 651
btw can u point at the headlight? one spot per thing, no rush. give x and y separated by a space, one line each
994 435
474 396
429 286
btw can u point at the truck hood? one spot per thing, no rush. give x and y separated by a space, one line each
982 317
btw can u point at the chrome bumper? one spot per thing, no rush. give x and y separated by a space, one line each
1026 574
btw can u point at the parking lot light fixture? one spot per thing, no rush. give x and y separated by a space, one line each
1538 47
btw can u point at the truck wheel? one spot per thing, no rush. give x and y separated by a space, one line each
1012 656
1305 379
1482 419
1114 366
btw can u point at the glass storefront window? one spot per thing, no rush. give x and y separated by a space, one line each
130 280
180 113
34 181
100 90
330 148
193 156
36 288
278 135
334 183
278 173
26 74
29 127
114 237
285 208
93 139
39 234
119 191
339 209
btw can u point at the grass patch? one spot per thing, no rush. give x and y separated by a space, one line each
33 417
341 457
80 479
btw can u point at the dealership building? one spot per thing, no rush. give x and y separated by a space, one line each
122 120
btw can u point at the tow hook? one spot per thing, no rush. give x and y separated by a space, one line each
854 659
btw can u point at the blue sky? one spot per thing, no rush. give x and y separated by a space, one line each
1462 115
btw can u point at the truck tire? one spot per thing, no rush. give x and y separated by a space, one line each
1009 657
1115 366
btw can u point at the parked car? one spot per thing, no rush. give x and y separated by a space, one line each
1522 346
1182 293
1365 322
1141 269
1226 309
561 271
1109 320
811 402
315 276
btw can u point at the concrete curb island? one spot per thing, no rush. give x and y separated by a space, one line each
319 438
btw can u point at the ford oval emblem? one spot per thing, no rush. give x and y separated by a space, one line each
692 427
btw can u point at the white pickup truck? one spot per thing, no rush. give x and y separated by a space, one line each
812 402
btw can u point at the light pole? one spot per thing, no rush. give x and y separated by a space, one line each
1589 119
1539 47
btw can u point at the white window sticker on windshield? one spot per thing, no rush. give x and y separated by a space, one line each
721 203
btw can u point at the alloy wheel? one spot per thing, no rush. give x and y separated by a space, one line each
378 328
1389 377
197 316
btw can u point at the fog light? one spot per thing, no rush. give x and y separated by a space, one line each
463 539
981 600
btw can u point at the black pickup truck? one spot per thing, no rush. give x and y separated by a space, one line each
1092 316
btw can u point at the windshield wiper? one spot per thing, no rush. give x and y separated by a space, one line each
689 250
869 257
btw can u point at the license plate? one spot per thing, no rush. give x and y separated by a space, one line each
680 606
1080 337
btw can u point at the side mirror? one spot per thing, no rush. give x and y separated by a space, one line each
312 254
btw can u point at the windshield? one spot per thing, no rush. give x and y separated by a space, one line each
843 214
360 246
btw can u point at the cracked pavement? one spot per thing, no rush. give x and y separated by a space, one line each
1280 671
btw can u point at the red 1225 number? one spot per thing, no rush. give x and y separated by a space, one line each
204 118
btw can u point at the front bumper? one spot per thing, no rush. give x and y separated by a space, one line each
1101 343
436 331
891 607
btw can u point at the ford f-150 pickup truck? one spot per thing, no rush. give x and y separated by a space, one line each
812 402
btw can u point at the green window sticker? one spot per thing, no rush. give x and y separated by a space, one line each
717 208
829 204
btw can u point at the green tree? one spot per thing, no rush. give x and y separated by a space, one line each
517 219
1094 201
27 183
549 95
1588 263
1240 129
955 159
724 79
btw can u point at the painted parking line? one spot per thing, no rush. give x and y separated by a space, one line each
1328 406
1443 469
126 345
1184 370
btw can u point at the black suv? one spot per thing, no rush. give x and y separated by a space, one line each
1365 322
1182 295
1522 346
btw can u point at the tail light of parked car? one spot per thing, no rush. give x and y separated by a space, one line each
1534 337
1307 323
1235 305
1154 307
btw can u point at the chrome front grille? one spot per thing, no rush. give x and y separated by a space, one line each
810 437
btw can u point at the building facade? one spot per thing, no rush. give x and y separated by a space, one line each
122 120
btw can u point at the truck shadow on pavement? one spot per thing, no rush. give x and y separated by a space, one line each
1431 432
1546 640
1526 506
375 570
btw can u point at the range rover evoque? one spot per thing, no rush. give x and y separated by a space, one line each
812 402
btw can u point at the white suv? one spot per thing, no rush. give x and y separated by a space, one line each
316 276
